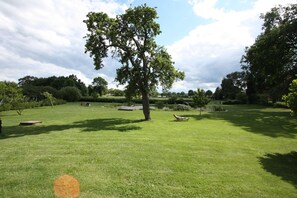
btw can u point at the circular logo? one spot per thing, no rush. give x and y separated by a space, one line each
66 186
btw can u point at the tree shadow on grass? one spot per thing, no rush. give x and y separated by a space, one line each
121 125
95 125
273 123
281 165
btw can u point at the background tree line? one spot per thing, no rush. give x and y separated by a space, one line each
69 88
269 65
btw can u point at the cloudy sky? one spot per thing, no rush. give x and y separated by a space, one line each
206 38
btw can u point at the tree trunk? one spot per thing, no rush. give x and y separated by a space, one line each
146 105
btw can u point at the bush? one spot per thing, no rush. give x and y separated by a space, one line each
218 108
291 98
280 105
33 104
172 100
70 94
181 107
242 97
160 104
263 99
47 102
231 102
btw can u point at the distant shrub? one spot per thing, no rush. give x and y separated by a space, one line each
47 102
242 97
263 99
217 108
181 107
32 104
60 101
291 98
70 94
231 102
280 105
172 100
160 104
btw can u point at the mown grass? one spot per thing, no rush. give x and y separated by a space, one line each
248 151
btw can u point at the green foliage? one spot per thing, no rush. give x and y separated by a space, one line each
291 98
11 97
116 92
209 93
160 104
173 99
280 105
70 94
190 93
270 63
217 108
232 85
99 86
263 99
242 97
218 95
34 87
131 39
181 107
33 104
19 103
231 102
35 92
47 102
200 99
49 97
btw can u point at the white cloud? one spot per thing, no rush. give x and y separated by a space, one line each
211 51
18 67
206 9
45 37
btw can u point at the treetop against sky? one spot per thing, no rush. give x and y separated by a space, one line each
206 38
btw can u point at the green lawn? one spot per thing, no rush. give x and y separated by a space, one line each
248 151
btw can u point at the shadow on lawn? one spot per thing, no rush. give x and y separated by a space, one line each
281 165
256 120
95 125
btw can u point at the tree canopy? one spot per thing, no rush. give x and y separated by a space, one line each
33 87
200 99
11 97
270 63
130 37
291 98
99 86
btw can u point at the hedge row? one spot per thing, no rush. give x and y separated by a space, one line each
135 101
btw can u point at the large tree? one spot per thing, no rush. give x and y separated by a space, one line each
270 63
232 85
99 85
130 38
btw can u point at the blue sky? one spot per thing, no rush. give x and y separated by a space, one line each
206 38
175 17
